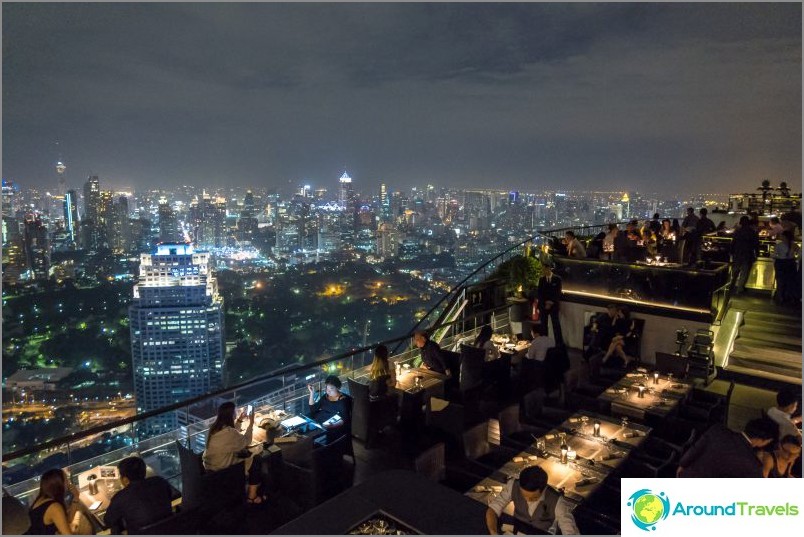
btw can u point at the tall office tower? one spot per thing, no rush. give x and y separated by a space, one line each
626 201
10 222
177 332
120 227
247 223
71 215
106 219
208 221
220 229
345 192
90 225
37 247
387 241
168 223
385 204
62 186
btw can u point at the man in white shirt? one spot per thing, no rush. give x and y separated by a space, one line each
541 342
535 504
786 404
574 247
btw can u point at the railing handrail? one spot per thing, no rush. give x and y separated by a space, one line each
80 435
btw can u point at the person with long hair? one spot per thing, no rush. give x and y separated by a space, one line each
48 512
483 341
333 409
623 327
381 374
779 462
226 446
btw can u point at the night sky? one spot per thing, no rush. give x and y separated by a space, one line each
669 98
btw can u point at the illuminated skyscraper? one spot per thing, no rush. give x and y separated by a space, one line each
345 193
71 215
177 337
168 224
90 234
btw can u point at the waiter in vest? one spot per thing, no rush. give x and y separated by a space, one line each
535 504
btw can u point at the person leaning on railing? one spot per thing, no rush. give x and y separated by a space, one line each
745 250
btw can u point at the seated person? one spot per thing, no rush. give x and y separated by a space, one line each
782 413
624 331
381 375
432 358
541 342
142 501
227 446
780 462
48 512
483 341
333 409
535 503
574 246
601 331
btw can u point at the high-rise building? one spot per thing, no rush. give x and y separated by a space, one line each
345 192
10 222
91 232
168 224
37 247
387 241
119 226
385 203
71 215
177 334
208 221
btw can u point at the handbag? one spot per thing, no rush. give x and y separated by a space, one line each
535 315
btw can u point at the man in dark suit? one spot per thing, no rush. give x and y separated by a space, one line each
722 452
549 296
745 250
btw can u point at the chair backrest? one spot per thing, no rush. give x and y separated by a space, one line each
192 469
672 363
431 463
633 345
727 402
183 522
224 488
471 368
509 420
360 409
476 441
453 361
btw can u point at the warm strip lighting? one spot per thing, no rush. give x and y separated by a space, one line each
632 301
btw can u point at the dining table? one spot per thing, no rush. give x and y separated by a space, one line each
641 393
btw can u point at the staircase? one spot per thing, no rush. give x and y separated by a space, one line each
767 348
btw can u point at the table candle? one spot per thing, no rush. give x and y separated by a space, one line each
641 394
656 378
597 428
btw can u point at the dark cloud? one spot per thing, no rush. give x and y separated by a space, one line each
661 97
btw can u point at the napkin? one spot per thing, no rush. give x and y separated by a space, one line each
586 481
437 405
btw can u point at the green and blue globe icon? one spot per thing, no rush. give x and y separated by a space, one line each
648 508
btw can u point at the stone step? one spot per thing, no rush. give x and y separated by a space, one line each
741 359
767 354
771 317
791 379
772 340
780 328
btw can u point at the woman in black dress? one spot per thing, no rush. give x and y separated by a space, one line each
331 404
48 513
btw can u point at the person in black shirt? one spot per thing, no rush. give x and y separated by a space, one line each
745 250
549 296
48 512
142 501
331 404
431 353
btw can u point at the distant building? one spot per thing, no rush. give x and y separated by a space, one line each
168 224
44 379
177 332
387 241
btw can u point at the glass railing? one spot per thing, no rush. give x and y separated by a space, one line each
287 390
693 289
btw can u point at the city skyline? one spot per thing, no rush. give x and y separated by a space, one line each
659 98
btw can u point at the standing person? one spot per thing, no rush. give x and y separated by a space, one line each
655 225
381 374
745 250
609 240
690 235
667 241
143 500
549 296
535 503
721 452
703 226
574 247
48 512
784 266
333 403
432 358
227 446
775 229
